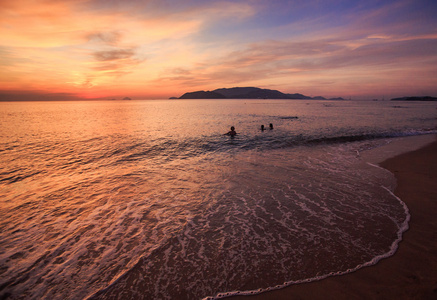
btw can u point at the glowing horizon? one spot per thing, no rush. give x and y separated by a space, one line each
93 49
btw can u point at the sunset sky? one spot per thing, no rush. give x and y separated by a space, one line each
159 48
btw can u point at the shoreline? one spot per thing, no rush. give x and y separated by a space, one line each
411 273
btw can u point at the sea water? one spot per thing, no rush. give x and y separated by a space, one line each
150 200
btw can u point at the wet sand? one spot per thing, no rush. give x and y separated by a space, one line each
412 272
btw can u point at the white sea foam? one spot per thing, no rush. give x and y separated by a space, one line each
393 248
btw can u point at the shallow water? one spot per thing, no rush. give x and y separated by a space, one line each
149 199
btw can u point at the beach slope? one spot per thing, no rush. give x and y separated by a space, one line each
412 272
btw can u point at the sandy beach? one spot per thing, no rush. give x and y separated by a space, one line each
412 272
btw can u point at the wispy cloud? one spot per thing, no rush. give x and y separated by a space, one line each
108 37
112 55
281 61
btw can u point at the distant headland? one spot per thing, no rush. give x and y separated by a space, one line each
415 98
247 93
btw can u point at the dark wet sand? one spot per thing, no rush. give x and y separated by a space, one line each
412 272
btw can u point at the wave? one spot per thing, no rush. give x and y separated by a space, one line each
167 149
364 137
164 150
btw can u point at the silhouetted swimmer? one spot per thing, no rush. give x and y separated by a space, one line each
271 126
232 132
262 128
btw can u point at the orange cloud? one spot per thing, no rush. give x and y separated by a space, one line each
75 45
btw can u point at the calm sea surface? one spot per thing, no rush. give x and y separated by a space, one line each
149 200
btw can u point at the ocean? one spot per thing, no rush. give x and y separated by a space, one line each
149 199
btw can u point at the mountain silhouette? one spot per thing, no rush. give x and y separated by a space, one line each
245 93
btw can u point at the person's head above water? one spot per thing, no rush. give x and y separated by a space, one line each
232 132
271 126
262 127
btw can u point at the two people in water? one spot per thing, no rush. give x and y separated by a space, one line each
270 126
232 132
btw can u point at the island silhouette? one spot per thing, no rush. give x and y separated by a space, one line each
247 93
